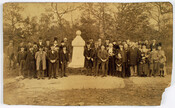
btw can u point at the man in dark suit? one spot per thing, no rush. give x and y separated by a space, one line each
64 59
126 50
110 66
47 49
21 59
88 61
52 57
30 63
133 59
11 55
94 58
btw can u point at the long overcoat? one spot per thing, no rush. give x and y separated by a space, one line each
40 58
30 61
133 56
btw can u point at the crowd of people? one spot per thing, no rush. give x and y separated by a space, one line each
125 59
122 58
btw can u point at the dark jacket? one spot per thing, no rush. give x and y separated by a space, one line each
88 54
133 56
64 57
95 53
30 60
52 56
21 56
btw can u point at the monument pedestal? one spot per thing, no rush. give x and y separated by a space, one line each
78 49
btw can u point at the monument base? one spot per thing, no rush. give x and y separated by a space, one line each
77 58
72 65
77 63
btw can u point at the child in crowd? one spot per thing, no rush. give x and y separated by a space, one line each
161 60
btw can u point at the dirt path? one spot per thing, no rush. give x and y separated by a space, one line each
76 90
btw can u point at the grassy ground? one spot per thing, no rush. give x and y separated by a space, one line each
136 91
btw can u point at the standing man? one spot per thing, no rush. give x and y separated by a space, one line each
40 57
127 71
47 49
95 58
57 49
103 60
110 66
21 59
30 63
133 59
52 58
88 60
11 55
64 59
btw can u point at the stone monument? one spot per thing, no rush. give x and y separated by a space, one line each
78 49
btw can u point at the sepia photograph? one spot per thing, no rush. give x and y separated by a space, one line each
86 54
